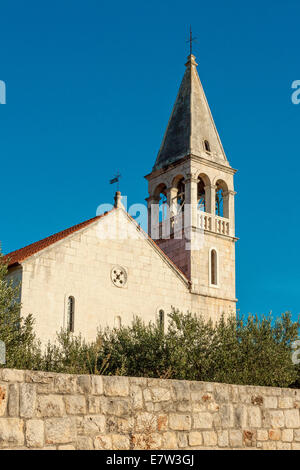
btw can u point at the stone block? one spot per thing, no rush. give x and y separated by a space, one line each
269 445
103 442
182 439
203 420
13 400
13 375
75 404
276 418
97 385
195 438
235 438
210 438
64 383
270 402
116 386
249 438
274 434
35 433
117 406
50 406
145 422
285 402
28 400
169 440
60 430
136 397
92 424
120 442
223 438
240 416
84 443
84 384
147 395
226 414
3 398
292 418
160 394
288 435
119 425
180 422
183 406
38 377
254 417
181 391
146 441
295 433
162 422
222 393
283 446
11 432
262 435
94 404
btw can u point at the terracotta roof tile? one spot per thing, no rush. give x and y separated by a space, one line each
16 257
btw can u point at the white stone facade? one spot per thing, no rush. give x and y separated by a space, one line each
80 266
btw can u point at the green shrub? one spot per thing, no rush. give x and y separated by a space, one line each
71 354
22 349
250 351
137 350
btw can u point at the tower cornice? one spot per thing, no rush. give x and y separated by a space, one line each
193 158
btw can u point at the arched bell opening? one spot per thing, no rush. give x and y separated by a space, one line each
222 202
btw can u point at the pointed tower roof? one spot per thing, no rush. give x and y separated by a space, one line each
191 124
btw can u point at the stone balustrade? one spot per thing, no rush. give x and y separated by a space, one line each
205 221
222 225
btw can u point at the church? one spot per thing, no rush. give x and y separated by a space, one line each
83 278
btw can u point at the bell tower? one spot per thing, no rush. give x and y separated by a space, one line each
191 200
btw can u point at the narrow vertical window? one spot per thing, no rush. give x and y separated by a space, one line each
118 322
71 313
214 268
207 145
161 319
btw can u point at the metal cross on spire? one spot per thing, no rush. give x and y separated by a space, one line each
191 40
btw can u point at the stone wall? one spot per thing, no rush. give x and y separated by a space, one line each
41 410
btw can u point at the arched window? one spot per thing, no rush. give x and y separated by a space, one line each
161 319
222 207
181 193
161 195
118 322
71 314
219 201
207 146
158 212
213 268
201 195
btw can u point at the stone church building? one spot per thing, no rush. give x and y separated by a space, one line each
81 279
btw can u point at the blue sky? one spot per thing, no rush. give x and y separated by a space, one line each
90 86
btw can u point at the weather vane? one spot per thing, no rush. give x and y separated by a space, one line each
191 40
116 179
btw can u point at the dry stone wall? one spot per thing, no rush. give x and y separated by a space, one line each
41 410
